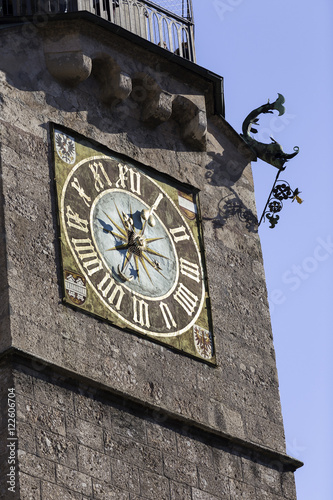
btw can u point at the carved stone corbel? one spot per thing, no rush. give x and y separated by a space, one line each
195 131
192 119
156 104
65 57
70 67
115 85
158 109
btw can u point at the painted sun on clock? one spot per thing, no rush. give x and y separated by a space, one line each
132 250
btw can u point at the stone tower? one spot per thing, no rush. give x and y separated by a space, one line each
137 360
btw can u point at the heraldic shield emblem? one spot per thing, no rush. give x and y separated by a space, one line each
187 205
65 147
75 286
203 341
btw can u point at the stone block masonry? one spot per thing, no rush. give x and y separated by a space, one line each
79 442
102 413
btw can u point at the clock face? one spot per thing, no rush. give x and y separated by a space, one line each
131 249
134 243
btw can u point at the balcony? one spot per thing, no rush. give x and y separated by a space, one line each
173 31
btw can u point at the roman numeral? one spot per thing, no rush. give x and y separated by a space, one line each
134 179
156 203
109 290
98 171
186 299
179 234
167 316
73 220
140 308
86 252
76 185
189 269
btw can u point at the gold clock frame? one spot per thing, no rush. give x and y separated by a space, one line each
74 160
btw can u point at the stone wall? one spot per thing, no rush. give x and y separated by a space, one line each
161 114
77 442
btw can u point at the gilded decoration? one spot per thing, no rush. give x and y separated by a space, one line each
132 248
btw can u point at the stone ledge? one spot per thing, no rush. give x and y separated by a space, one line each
256 452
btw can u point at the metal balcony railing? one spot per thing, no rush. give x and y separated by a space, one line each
153 22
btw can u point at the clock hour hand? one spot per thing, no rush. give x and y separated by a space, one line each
121 271
115 235
122 232
135 243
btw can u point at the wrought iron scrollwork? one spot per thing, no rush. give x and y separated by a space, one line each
270 153
274 155
281 191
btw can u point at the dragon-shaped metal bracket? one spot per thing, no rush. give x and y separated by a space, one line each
270 153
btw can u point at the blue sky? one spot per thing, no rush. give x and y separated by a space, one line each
261 48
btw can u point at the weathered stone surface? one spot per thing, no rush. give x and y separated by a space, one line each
128 425
54 492
174 463
68 67
262 477
179 491
134 453
49 394
5 337
86 408
213 482
241 491
180 470
288 485
202 495
195 131
229 463
264 495
36 466
23 383
29 487
56 448
125 476
191 114
76 480
115 84
96 447
26 437
83 432
154 486
94 463
157 434
48 418
194 451
104 491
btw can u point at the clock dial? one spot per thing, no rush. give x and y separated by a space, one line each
134 243
131 249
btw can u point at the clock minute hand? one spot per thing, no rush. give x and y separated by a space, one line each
147 215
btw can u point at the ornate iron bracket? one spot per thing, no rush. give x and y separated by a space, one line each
270 153
281 190
274 155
